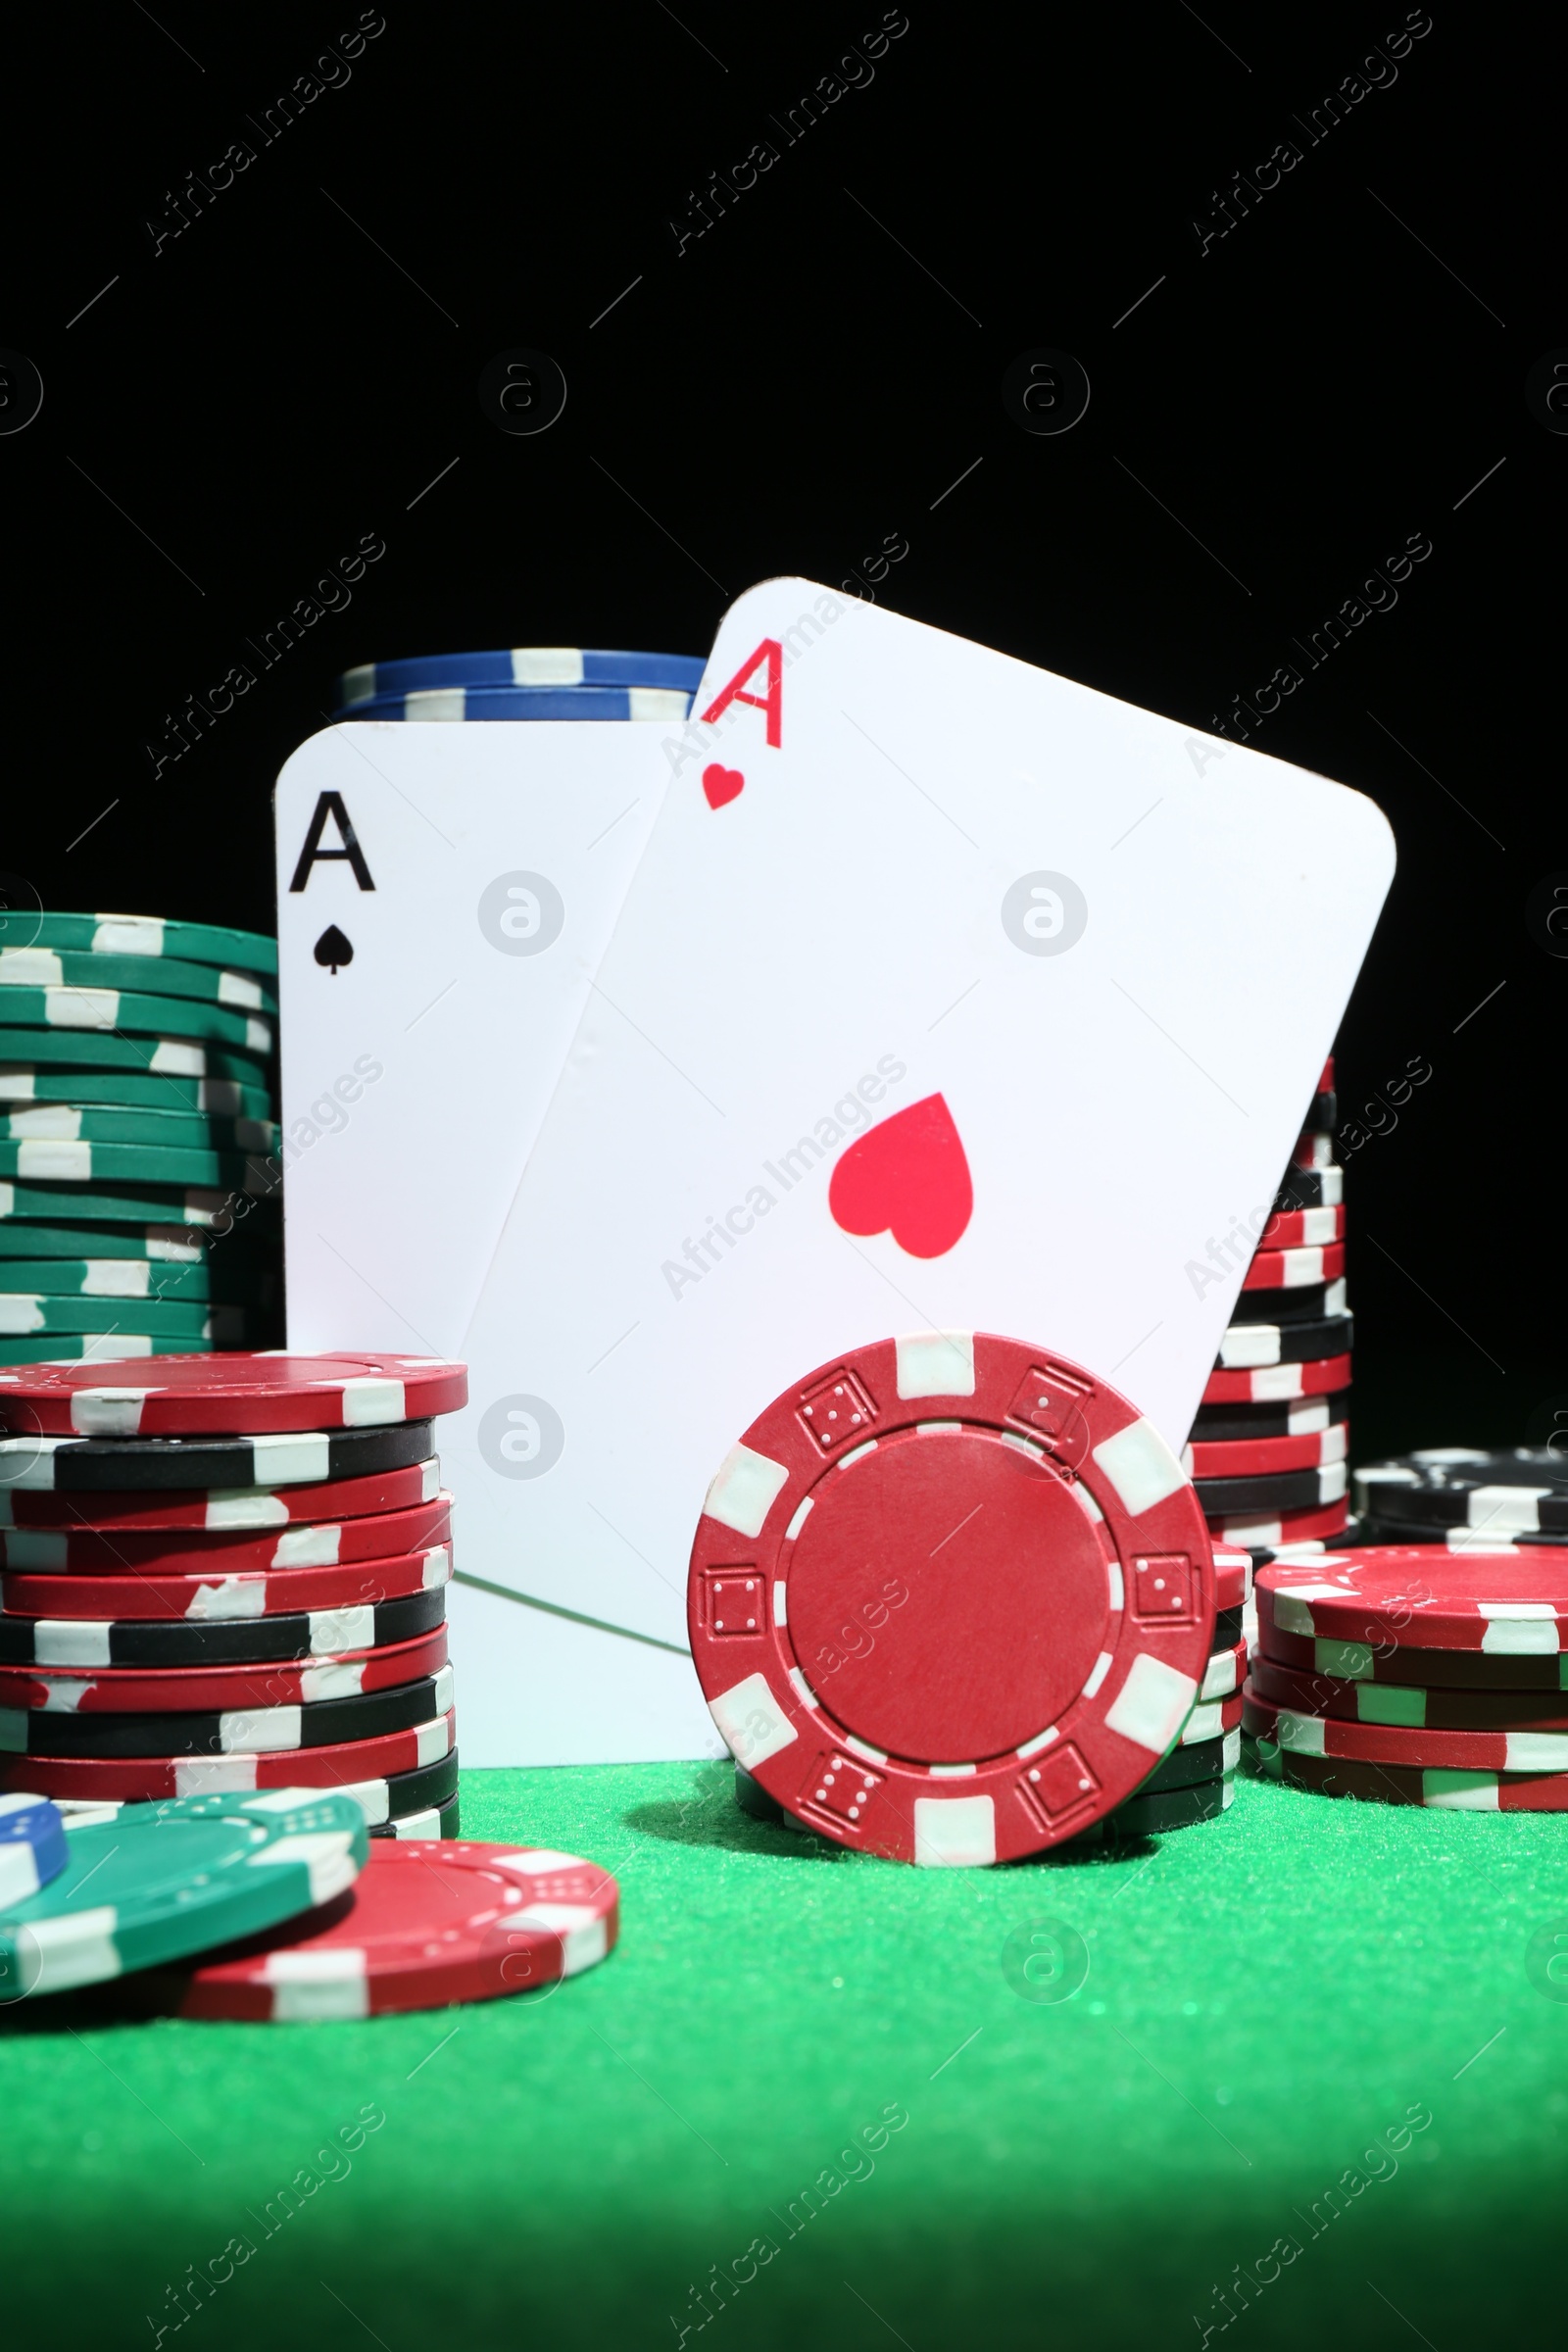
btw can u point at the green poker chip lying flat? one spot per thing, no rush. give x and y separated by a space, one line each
163 976
178 1322
158 1056
86 1010
72 1123
129 1281
146 936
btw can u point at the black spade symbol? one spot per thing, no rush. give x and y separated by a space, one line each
332 949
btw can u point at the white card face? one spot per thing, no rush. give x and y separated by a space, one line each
948 994
489 864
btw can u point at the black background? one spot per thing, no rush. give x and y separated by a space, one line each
298 367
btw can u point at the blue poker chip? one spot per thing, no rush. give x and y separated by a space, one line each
669 703
32 1846
517 665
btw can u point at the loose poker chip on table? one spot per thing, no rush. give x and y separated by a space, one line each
255 1729
1277 1384
32 1847
84 1279
1245 1344
48 968
1302 1228
296 1457
1427 1749
104 1049
1310 1188
1512 1603
1384 1662
181 1397
31 1314
1273 1491
1414 1706
104 1124
424 1925
25 1087
1313 1305
152 936
1038 1617
218 1510
1243 1424
185 1642
517 665
201 1552
434 1822
146 1778
555 703
42 1161
89 1009
263 1687
1280 1269
160 1882
1257 1532
1396 1785
1523 1491
144 1205
1266 1457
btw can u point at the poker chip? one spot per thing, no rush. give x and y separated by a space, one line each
145 1205
390 1806
225 1690
1312 1149
517 665
103 1123
42 1161
1326 1340
1212 1720
201 1552
433 1822
1248 1424
1310 1188
1417 1706
1427 1749
1024 1520
1280 1269
1190 1766
1385 1662
1313 1305
32 1847
1324 1111
279 1458
192 1397
41 1731
1171 1809
160 1882
1290 1527
1299 1228
424 1926
1275 1384
446 703
1222 1676
1228 1624
175 1641
28 1087
1523 1492
1272 1491
1266 1457
148 936
1393 1784
105 1049
110 1346
83 1280
94 1008
1233 1584
145 1778
33 1313
1379 1529
226 1598
159 1244
51 968
1509 1603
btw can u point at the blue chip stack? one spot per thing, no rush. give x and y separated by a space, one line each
522 682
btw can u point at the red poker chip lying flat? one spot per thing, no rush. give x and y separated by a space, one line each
187 1551
1273 1384
143 1778
216 1598
1302 1228
1410 1704
146 1689
1295 1269
423 1924
1418 1595
1266 1457
1426 1749
223 1511
1396 1785
1211 1718
902 1613
212 1395
1385 1663
1233 1577
1225 1671
1286 1527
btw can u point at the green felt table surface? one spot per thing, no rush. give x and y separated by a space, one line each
1304 1997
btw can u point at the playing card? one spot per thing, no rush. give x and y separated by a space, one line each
948 994
444 895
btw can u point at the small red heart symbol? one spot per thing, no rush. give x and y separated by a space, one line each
721 784
907 1177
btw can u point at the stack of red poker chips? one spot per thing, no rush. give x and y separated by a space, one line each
1410 1673
1268 1448
229 1572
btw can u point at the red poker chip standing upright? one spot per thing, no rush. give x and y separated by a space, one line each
951 1598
